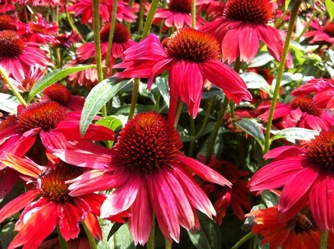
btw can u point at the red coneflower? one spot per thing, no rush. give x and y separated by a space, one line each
149 175
299 232
48 204
322 35
322 90
177 15
17 57
191 52
246 22
306 175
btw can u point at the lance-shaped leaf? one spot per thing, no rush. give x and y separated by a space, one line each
97 98
53 77
295 133
8 103
252 128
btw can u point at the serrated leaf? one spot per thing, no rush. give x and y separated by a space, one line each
252 128
330 8
53 77
254 80
295 133
209 236
97 98
8 103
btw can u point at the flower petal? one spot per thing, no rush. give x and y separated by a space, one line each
69 218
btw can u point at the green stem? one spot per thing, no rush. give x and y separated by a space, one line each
97 41
216 130
134 98
243 240
62 241
306 26
293 16
323 240
151 240
178 113
149 19
193 134
72 23
206 118
12 87
280 20
168 245
90 237
193 14
111 37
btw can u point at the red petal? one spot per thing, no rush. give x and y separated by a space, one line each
93 226
69 218
23 165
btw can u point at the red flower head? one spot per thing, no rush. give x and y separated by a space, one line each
246 22
191 52
7 23
177 15
85 9
306 175
48 204
301 112
149 175
299 232
323 90
18 57
236 197
322 35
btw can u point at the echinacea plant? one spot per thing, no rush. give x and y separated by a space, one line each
166 124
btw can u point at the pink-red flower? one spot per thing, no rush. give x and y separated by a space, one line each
191 57
322 91
300 112
321 34
298 232
48 204
178 15
246 22
149 175
237 197
17 57
306 175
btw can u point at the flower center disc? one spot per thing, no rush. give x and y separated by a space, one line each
306 106
11 45
53 180
320 150
58 93
148 144
10 120
192 45
254 11
43 115
121 33
329 29
6 23
183 6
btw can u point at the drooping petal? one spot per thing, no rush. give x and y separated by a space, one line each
122 198
249 36
17 204
230 46
140 219
164 206
93 226
39 226
204 171
69 218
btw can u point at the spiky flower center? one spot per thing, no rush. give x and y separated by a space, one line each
8 121
192 45
45 115
58 93
148 144
305 105
11 45
121 33
6 23
329 29
38 28
183 6
320 151
53 181
253 11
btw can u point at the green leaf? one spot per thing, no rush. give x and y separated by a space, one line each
330 8
209 236
261 59
254 80
295 133
8 103
111 122
269 198
97 98
53 77
163 88
252 128
7 234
